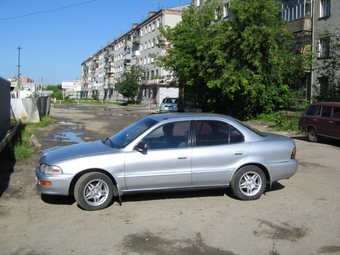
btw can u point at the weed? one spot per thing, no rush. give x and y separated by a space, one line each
22 147
283 121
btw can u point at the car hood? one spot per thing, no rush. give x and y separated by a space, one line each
76 151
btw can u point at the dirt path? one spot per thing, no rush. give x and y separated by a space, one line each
299 216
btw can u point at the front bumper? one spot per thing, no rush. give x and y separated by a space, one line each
59 183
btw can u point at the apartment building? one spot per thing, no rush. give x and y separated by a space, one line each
137 47
326 29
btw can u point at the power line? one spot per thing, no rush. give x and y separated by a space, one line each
52 10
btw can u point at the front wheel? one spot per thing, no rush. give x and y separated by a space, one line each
249 183
93 191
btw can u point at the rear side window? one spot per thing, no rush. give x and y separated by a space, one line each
209 133
336 113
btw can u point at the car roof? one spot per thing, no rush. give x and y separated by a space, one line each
187 115
327 103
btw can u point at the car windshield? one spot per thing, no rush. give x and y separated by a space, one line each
170 100
130 133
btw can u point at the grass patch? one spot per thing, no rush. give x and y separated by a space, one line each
282 121
22 147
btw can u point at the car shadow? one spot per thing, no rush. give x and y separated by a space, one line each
188 194
160 195
57 200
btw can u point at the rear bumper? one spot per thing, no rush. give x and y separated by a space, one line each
282 170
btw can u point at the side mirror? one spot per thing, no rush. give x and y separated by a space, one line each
141 146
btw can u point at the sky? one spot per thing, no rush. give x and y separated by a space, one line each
56 36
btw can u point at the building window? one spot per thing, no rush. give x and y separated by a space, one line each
296 9
226 10
325 8
217 13
308 8
153 25
324 47
324 85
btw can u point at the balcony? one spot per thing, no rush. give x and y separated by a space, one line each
300 25
135 53
136 40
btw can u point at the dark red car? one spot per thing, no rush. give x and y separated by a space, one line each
321 119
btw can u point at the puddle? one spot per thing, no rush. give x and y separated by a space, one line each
68 135
66 123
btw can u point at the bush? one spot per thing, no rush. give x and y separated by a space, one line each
282 121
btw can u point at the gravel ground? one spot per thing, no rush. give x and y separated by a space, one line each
298 216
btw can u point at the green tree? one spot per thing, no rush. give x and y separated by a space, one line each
54 88
328 69
241 66
128 83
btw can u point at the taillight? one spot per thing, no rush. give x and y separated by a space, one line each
293 154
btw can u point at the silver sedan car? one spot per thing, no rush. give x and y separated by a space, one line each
165 152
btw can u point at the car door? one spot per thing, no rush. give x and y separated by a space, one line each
218 148
165 164
334 123
324 122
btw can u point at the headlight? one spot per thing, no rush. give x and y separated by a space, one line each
47 169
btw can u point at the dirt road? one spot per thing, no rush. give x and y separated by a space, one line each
299 216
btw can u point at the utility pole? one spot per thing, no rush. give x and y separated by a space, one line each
18 81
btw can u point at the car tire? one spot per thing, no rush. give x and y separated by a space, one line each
312 135
249 183
93 191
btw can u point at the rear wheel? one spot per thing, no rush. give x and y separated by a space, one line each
312 135
93 191
249 183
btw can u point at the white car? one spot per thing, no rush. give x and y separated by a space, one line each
169 104
175 151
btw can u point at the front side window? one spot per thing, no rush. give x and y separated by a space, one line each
312 110
326 111
325 8
169 136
